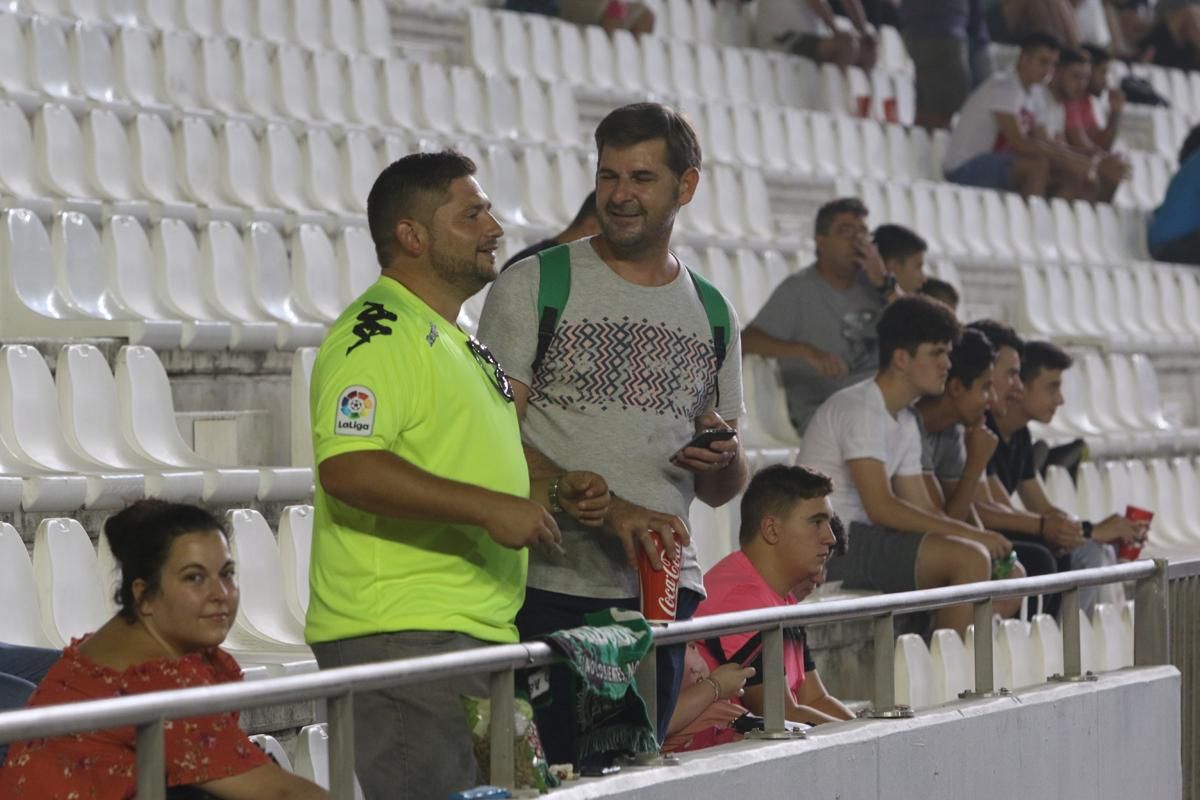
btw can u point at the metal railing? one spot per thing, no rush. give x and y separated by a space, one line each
338 686
1184 591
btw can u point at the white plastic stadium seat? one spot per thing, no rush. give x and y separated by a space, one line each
1015 656
952 665
302 366
312 757
1046 641
70 594
359 268
271 746
263 614
295 549
914 673
21 622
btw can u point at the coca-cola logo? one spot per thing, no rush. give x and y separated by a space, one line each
671 588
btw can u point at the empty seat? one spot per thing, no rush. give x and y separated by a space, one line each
269 744
21 623
270 287
359 268
1015 656
916 686
58 146
302 365
263 612
1110 636
295 547
312 757
1046 643
952 665
70 594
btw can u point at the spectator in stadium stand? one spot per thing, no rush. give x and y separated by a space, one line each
21 669
957 445
903 253
706 711
1076 544
1129 22
585 224
1068 119
942 291
611 15
423 511
1085 111
999 141
1174 41
1011 21
177 599
947 41
1174 233
807 28
638 356
820 322
785 542
866 438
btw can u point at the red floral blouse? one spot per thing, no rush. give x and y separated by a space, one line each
100 765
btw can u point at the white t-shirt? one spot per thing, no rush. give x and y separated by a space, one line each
1053 116
852 424
977 132
777 18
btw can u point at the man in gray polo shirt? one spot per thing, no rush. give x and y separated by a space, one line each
820 322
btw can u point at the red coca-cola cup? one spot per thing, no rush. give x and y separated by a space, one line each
891 111
862 104
660 588
1130 552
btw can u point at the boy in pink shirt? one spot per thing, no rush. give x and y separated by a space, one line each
786 539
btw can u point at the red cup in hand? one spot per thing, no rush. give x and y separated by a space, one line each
1131 552
660 588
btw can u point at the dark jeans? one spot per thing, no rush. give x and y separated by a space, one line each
546 612
1038 560
1184 250
21 670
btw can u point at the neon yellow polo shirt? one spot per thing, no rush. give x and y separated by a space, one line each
393 375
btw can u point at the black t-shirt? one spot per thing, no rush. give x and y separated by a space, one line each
1170 53
1012 462
532 250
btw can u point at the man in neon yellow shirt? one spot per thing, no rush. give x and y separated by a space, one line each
423 508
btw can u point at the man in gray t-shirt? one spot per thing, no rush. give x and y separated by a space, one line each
820 322
629 378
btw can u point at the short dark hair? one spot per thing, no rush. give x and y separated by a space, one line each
1069 55
971 357
898 242
941 290
1040 356
999 334
1099 55
909 322
405 188
1040 39
587 210
140 537
843 205
1190 146
774 489
640 122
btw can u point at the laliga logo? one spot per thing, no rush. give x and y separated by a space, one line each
671 594
355 411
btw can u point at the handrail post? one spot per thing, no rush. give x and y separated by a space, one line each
985 672
1151 621
647 682
151 770
502 729
340 711
885 670
774 681
1072 643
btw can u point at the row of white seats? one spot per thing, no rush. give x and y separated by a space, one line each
312 755
502 42
94 437
1024 654
1001 228
157 286
348 26
1168 487
92 62
1180 87
1144 307
68 590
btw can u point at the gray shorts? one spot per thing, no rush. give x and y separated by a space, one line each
410 742
878 559
943 72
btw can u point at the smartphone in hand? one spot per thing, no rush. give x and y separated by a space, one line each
705 439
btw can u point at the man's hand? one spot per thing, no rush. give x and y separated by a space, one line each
731 680
1113 169
1117 528
981 443
584 495
717 455
997 545
1116 101
867 257
1062 533
632 524
517 522
827 365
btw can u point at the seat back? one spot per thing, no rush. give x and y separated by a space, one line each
87 406
1046 642
68 583
263 611
295 552
953 672
21 622
916 686
302 366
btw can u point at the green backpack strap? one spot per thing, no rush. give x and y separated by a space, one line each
554 287
718 321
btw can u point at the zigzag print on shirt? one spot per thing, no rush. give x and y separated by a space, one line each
604 366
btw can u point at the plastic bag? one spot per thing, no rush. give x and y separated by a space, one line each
530 768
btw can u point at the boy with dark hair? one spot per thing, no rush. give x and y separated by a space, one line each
820 322
903 253
867 438
942 291
786 540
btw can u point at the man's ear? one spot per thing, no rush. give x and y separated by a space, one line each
901 358
769 530
955 388
688 182
412 236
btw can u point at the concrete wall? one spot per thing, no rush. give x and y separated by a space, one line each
1117 738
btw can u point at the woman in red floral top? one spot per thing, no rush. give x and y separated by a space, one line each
177 600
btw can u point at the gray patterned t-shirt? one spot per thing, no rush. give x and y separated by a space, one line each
629 370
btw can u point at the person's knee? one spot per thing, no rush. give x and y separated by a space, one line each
944 560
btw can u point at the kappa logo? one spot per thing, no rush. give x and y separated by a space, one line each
355 412
370 324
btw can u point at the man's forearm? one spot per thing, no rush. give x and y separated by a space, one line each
541 466
959 503
1108 136
755 342
828 704
900 515
997 517
718 487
